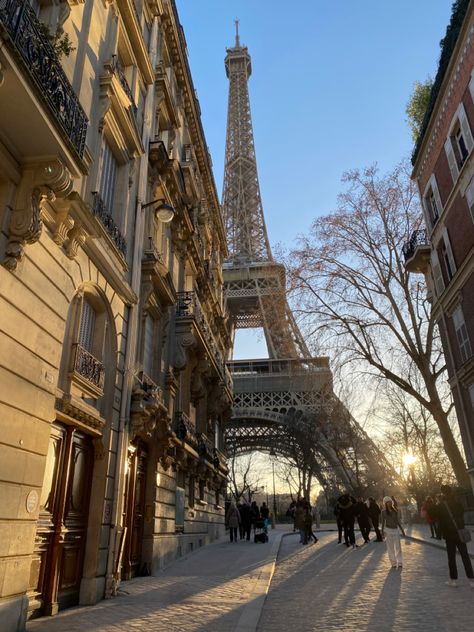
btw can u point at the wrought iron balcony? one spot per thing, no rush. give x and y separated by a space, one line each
103 214
41 64
184 429
88 367
416 251
119 71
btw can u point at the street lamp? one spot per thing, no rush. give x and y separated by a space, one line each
163 211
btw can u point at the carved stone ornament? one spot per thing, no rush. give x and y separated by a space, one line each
184 342
40 184
146 410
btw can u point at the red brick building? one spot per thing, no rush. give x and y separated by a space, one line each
443 163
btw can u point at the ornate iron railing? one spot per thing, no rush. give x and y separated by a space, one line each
184 429
119 71
103 214
88 367
41 63
207 450
418 238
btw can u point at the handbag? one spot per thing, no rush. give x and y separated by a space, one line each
464 534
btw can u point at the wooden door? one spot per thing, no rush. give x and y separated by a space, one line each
135 510
58 558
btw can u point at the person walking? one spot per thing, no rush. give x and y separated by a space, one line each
390 525
337 513
374 515
246 520
309 523
347 505
428 512
265 515
450 516
300 521
363 519
233 520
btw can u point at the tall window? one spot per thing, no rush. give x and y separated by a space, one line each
108 177
470 198
461 334
461 145
149 336
87 325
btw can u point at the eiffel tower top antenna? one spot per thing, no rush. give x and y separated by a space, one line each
237 38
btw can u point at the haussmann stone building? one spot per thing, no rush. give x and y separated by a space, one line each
114 391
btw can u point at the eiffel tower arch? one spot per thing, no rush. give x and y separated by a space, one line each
284 403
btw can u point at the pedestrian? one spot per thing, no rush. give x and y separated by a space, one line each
428 513
309 522
337 513
374 515
254 512
300 520
450 516
265 515
363 519
241 529
233 520
390 525
347 506
246 520
316 516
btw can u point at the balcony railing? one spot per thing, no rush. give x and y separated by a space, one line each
183 428
417 239
103 214
207 450
41 63
88 367
119 71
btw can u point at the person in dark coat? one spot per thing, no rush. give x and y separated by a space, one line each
450 517
363 519
308 518
254 512
428 512
337 513
374 515
300 521
347 505
246 520
233 520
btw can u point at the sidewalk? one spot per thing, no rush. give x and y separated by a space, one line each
219 588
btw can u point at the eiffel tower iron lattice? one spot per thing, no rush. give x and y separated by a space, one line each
285 403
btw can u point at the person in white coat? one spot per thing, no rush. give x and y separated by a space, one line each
390 531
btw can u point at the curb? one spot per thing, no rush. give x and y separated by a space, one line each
433 544
252 612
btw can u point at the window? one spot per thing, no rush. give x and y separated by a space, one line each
448 257
86 328
471 394
470 197
436 273
461 334
108 177
191 493
148 345
459 143
432 204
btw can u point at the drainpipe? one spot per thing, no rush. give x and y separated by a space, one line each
116 527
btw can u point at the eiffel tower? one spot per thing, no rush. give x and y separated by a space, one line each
284 403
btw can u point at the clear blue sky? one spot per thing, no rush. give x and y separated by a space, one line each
330 83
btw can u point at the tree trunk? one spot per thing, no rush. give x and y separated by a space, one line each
451 447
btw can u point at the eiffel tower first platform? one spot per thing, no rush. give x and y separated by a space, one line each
285 403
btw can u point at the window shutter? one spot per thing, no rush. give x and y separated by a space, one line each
465 128
461 334
426 214
148 345
449 252
437 274
86 329
453 167
470 198
434 186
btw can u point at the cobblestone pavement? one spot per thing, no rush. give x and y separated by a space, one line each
219 588
327 587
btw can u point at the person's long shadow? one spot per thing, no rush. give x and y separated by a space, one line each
385 614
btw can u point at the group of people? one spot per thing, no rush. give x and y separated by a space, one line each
303 517
445 515
243 517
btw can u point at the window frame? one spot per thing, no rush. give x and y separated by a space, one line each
462 336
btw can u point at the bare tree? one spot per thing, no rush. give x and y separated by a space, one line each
354 288
244 476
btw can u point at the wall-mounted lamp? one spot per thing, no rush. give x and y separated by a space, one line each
163 211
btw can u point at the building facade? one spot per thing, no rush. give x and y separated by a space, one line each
114 334
444 251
